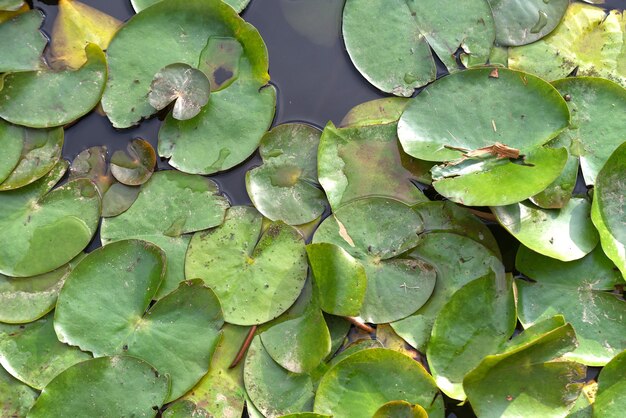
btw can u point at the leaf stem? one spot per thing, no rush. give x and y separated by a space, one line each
244 347
360 325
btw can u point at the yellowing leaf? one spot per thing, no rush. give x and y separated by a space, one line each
7 14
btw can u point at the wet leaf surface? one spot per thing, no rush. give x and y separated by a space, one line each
136 166
183 85
611 385
22 42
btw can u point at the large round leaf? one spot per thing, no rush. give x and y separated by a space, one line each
285 187
22 42
16 397
458 260
169 206
386 45
44 98
578 290
396 286
33 354
474 109
363 382
610 401
108 386
565 234
177 335
256 274
40 230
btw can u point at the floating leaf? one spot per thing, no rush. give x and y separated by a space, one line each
8 14
474 95
169 206
91 164
305 415
366 161
458 260
285 187
16 398
525 379
41 229
12 151
559 192
363 382
610 402
11 5
33 354
44 98
185 86
40 150
386 45
139 5
257 275
118 199
578 290
396 286
565 234
22 42
521 23
220 61
136 167
456 347
77 25
400 409
375 112
607 211
132 388
177 335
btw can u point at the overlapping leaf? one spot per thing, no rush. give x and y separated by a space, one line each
22 42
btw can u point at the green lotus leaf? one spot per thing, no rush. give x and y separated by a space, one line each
177 335
16 398
91 164
139 5
40 229
495 181
33 354
574 45
132 388
274 391
375 112
285 187
527 378
385 44
118 199
220 393
11 5
456 347
44 98
39 151
363 382
400 409
136 166
170 206
484 98
187 87
340 278
565 234
447 216
559 192
366 161
580 291
22 42
396 286
610 402
607 211
256 274
521 23
593 134
458 260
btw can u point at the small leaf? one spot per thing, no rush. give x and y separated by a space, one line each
118 199
375 112
182 84
136 167
22 42
219 61
91 164
400 409
610 402
139 5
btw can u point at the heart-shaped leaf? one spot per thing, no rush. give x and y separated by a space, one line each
92 164
17 398
188 88
610 402
400 409
136 166
22 41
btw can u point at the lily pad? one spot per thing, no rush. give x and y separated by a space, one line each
527 378
607 211
477 95
396 286
285 187
455 346
559 192
574 45
12 151
76 26
177 335
400 409
610 402
118 199
139 5
45 98
256 274
363 382
16 398
375 112
40 150
580 291
91 164
33 354
11 5
385 44
169 207
458 260
43 229
136 166
565 234
22 42
132 388
187 87
366 161
521 23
